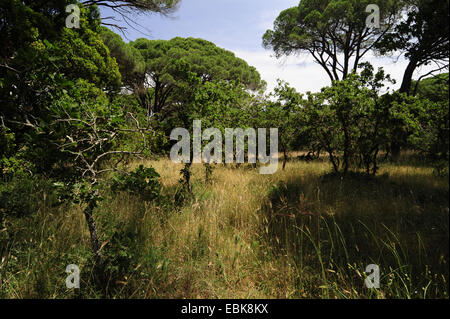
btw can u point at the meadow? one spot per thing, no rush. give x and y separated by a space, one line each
303 232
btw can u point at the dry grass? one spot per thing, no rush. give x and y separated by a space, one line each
247 235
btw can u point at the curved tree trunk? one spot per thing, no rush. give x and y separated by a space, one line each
407 77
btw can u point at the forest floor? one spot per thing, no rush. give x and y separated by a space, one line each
299 233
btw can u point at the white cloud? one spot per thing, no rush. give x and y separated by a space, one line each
302 73
299 72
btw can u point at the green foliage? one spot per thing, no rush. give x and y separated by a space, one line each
142 182
12 196
44 67
130 61
51 55
284 113
219 104
434 88
352 123
81 53
167 62
11 162
80 128
6 141
432 113
422 34
120 256
22 194
204 58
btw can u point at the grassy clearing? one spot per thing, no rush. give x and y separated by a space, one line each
300 233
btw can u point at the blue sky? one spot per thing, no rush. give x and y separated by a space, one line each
238 26
231 24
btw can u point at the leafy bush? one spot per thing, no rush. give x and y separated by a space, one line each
23 194
120 255
143 182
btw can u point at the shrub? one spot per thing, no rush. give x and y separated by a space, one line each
23 194
143 182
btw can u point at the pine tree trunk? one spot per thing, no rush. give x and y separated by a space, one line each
407 77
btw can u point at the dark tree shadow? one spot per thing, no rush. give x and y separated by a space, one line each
359 219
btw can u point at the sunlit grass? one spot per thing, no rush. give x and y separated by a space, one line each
300 233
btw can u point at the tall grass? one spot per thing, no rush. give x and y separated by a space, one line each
300 233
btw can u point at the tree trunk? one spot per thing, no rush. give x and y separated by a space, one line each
208 172
395 151
187 177
95 244
333 161
346 151
186 171
407 77
375 167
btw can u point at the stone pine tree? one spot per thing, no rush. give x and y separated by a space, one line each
333 32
